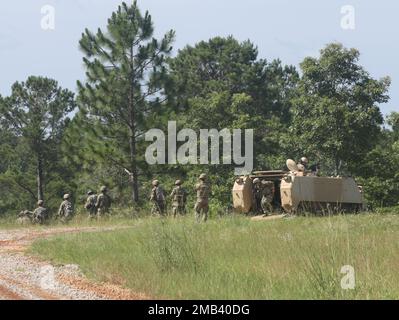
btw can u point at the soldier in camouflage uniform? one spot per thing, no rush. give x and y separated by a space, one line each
103 203
179 197
158 198
40 214
65 211
257 195
267 197
91 204
305 162
24 217
202 205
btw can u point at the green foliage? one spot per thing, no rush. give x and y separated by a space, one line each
33 119
224 78
393 121
378 174
336 118
126 74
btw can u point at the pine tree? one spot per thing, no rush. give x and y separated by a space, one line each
35 115
126 80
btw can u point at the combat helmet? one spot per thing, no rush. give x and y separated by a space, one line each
66 196
304 160
103 189
202 176
178 182
256 180
155 183
40 202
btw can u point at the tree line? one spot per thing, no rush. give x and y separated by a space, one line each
53 141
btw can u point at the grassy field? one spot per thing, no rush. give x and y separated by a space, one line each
235 258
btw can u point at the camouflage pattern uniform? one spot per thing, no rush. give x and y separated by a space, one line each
202 205
158 198
65 211
257 195
267 197
24 217
179 198
103 203
91 204
39 215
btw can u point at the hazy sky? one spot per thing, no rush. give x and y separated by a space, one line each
289 30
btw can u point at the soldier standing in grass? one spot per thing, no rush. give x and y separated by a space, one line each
202 205
179 198
103 203
158 198
90 205
66 210
267 197
257 195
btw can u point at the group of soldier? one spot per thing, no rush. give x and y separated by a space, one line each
97 205
264 191
179 199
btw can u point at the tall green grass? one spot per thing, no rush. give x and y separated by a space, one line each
236 258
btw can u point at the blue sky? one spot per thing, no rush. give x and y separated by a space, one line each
289 30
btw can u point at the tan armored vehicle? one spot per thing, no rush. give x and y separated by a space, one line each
297 191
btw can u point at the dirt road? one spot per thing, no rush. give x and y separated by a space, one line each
23 277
